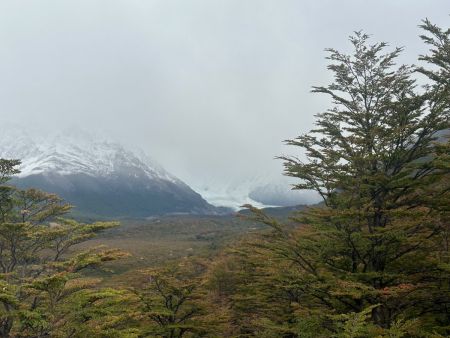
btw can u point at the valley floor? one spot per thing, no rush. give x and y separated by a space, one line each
156 241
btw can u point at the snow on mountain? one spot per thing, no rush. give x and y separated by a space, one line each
56 162
98 175
75 151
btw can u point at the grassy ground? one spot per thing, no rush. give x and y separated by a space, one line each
156 241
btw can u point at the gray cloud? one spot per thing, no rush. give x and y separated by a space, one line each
209 88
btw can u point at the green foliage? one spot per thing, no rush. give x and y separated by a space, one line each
173 300
372 260
37 273
439 58
102 313
374 160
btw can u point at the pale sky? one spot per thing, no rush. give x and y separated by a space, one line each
208 88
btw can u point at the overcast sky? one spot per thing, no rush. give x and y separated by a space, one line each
208 88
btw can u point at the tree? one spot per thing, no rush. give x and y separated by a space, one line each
438 92
37 273
375 245
439 58
174 301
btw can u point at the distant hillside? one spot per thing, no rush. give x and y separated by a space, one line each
100 177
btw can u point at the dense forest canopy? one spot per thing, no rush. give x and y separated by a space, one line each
372 260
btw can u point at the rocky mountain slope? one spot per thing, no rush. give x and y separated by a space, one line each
98 176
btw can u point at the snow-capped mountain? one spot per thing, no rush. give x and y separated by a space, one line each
76 152
98 176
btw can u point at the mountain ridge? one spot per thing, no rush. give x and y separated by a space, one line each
99 176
